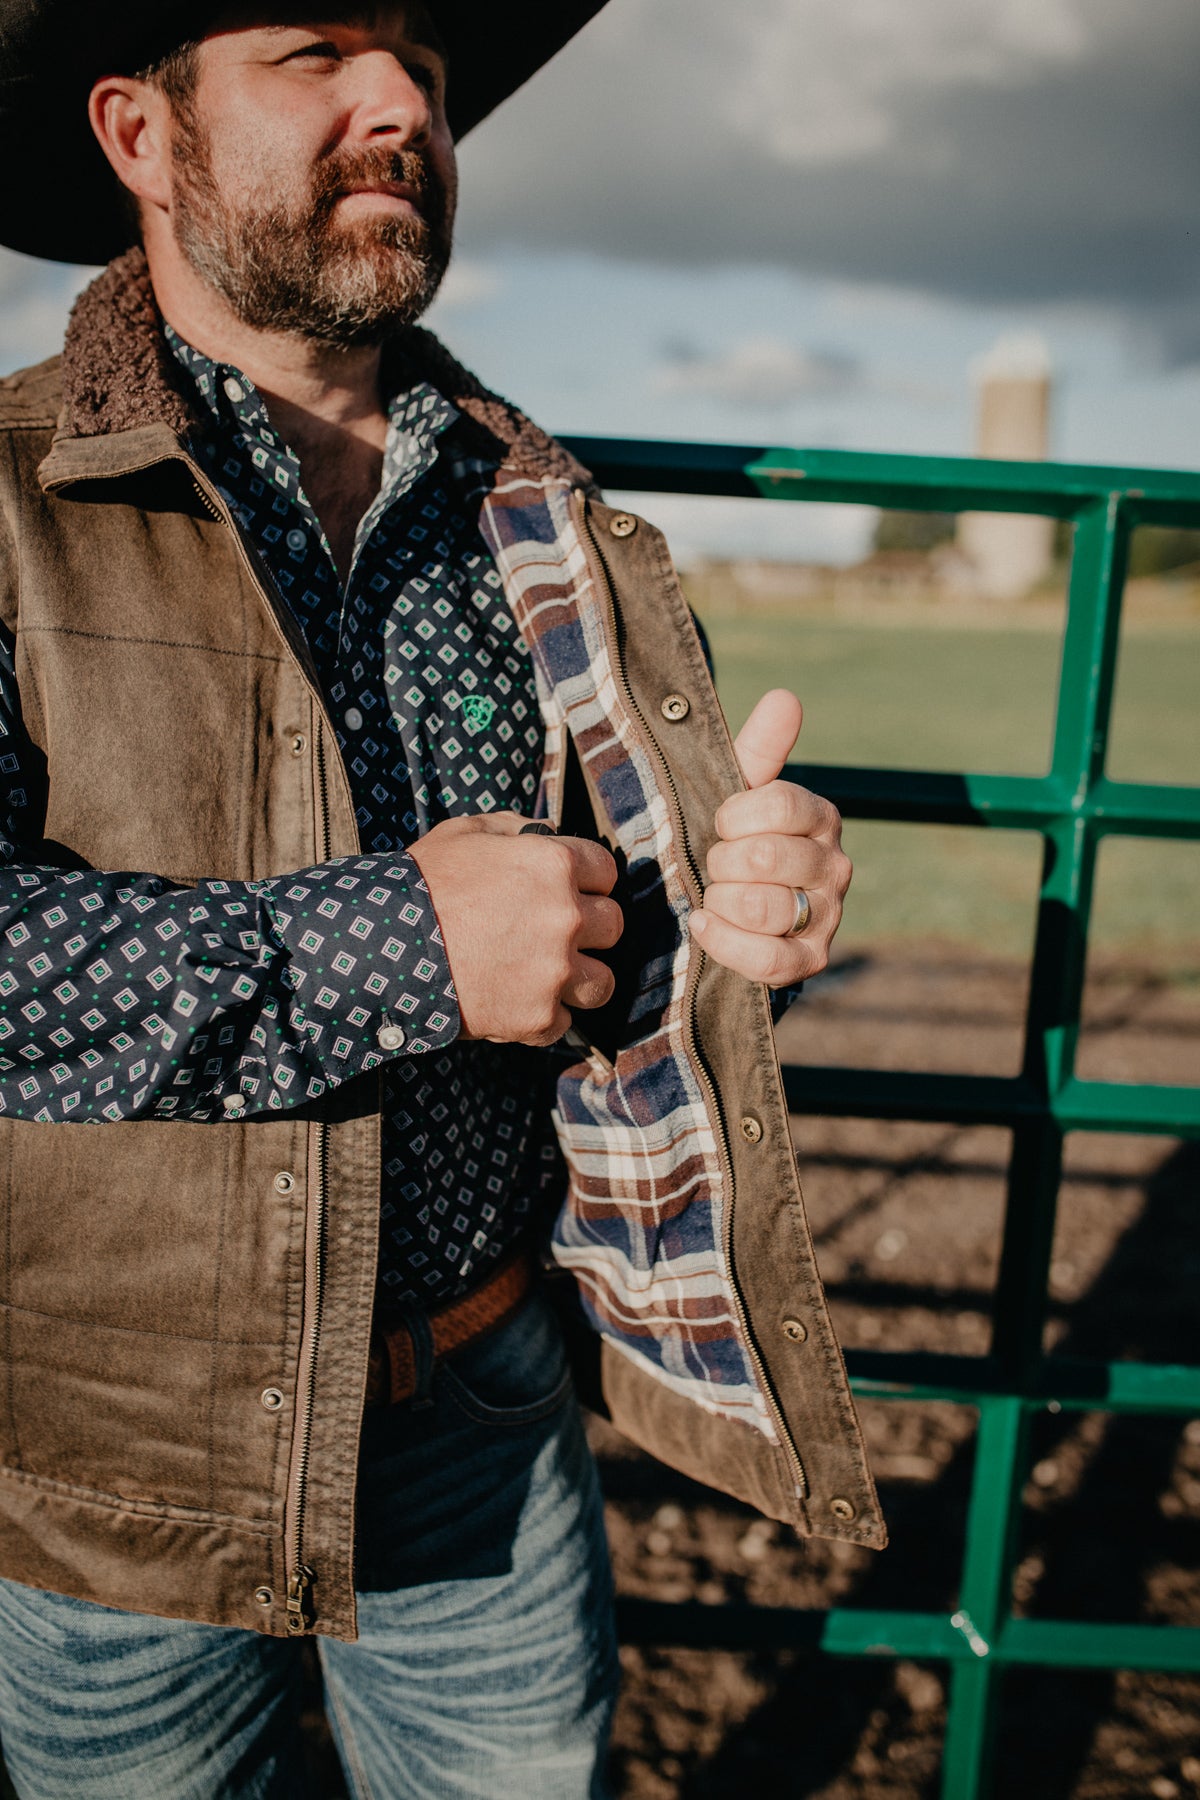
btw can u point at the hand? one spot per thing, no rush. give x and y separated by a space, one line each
517 914
774 838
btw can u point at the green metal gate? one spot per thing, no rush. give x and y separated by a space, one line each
1073 807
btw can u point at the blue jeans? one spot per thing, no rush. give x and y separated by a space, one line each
486 1663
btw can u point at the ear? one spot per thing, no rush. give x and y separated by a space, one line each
131 121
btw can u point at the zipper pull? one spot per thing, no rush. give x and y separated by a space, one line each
300 1611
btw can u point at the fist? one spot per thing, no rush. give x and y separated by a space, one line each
518 916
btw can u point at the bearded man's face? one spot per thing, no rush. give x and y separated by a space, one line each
331 217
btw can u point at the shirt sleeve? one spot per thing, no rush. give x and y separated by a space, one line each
124 996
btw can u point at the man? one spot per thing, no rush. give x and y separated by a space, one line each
300 630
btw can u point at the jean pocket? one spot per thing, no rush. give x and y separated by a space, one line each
515 1375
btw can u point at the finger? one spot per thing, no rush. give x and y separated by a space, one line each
592 867
768 737
787 862
541 1040
778 961
780 806
500 824
758 907
592 984
603 923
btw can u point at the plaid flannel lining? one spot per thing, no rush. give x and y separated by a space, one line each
642 1228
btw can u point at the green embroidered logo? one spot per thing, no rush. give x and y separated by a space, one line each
478 710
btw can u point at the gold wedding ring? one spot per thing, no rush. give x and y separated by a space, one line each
803 914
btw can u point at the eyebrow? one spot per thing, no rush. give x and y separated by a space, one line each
419 29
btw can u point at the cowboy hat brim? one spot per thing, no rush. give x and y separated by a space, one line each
60 199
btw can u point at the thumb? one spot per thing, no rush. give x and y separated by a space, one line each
768 737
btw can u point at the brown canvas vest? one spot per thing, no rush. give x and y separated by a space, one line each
185 1308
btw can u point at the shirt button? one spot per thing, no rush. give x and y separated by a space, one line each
235 390
297 539
233 1102
390 1037
353 719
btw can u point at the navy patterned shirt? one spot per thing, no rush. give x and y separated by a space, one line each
123 997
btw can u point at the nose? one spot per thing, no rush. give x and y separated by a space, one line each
392 102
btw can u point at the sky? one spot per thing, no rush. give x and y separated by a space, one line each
786 222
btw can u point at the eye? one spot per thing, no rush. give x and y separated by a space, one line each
322 52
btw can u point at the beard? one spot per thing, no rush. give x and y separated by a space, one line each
291 266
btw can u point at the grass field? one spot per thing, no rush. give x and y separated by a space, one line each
978 698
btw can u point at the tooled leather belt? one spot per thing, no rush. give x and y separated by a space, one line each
392 1372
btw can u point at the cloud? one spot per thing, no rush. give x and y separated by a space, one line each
997 150
468 283
35 298
759 372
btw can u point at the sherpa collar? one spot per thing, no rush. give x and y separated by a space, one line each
119 375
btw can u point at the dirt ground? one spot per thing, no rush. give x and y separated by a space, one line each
907 1223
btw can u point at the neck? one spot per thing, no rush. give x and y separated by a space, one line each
312 387
324 400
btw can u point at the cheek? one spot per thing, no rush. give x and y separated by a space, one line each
442 157
253 168
253 150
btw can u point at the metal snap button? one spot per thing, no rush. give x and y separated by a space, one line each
795 1331
751 1128
285 1181
265 1596
622 525
297 539
272 1399
844 1510
233 1103
390 1037
299 743
675 707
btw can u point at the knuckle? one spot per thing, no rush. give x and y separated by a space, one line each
564 857
546 1022
779 968
761 855
756 906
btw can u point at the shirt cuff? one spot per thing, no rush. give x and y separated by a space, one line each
367 962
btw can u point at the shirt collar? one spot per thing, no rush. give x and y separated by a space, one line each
418 416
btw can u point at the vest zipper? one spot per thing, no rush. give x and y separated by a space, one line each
301 1609
301 1612
206 500
598 565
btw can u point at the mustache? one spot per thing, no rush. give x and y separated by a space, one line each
348 169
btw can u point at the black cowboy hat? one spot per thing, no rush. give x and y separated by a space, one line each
59 197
